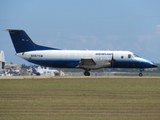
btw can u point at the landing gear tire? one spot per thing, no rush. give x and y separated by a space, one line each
86 73
140 74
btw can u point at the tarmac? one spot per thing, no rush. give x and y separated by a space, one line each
63 77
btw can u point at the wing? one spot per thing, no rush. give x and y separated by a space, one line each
92 64
86 61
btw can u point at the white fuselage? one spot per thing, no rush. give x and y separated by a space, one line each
72 59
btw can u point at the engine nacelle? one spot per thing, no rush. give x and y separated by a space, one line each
98 63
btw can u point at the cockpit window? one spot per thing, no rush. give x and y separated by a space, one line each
129 56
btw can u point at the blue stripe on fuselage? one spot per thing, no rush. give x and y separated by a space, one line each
57 63
131 64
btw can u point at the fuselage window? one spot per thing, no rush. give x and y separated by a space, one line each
122 57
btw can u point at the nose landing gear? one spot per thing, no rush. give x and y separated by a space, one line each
140 74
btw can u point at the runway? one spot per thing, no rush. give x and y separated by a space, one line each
63 77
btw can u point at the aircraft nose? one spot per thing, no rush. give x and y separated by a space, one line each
153 65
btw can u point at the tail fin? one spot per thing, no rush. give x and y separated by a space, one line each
34 71
23 43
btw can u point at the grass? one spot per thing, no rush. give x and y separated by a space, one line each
80 98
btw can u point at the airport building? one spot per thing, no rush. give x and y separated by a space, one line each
13 67
2 60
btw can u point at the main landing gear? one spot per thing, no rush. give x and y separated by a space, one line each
140 74
87 73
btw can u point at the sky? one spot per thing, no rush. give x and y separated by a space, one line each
130 25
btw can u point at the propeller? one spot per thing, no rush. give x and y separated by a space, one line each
112 61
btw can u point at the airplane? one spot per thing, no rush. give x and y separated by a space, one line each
34 71
84 59
48 72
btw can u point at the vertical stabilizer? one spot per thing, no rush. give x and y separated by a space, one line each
23 43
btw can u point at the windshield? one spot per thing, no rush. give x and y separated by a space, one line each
135 55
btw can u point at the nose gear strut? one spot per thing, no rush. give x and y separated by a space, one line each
141 74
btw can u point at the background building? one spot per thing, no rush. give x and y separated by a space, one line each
2 60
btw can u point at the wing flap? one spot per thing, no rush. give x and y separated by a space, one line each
87 61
